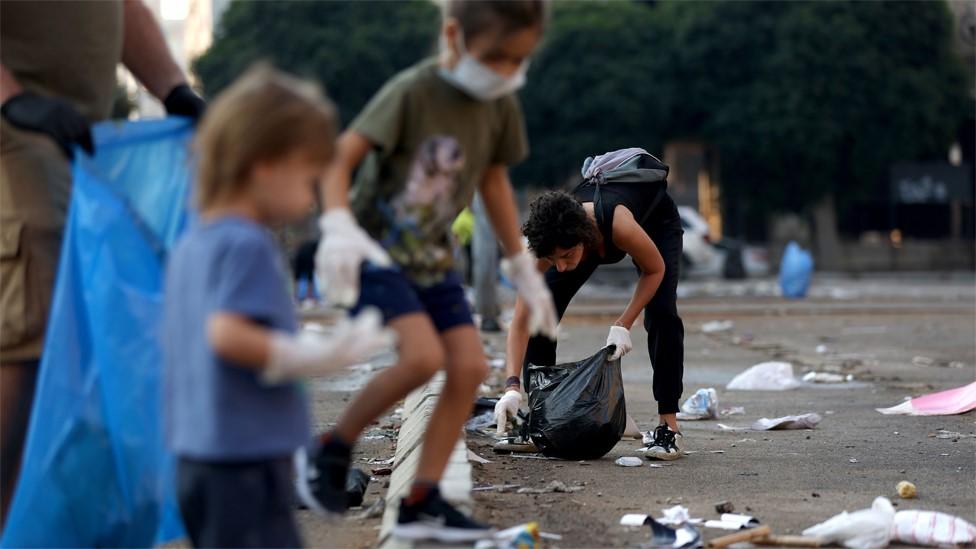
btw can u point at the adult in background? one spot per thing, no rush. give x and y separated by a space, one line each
57 77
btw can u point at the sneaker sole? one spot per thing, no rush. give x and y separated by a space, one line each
300 463
422 531
664 457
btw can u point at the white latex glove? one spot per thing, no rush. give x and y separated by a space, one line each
521 270
507 406
620 337
311 354
343 248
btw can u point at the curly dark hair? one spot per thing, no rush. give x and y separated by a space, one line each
557 219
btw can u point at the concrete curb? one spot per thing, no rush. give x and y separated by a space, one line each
456 484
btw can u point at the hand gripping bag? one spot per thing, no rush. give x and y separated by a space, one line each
95 472
577 410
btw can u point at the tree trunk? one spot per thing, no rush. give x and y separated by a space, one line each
829 254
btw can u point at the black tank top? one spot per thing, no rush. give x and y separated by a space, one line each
648 202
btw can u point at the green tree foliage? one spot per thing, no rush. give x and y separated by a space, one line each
595 85
808 98
800 98
350 47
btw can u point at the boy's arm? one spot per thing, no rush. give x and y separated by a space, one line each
351 148
344 245
236 339
283 357
519 265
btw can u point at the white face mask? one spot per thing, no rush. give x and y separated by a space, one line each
475 79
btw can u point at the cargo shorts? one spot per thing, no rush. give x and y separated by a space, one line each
35 189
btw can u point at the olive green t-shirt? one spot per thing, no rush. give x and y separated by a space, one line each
432 145
66 49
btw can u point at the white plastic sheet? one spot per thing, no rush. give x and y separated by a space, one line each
765 376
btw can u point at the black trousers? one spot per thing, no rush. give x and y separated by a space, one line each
665 331
231 504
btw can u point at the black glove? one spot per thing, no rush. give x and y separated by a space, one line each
52 116
183 101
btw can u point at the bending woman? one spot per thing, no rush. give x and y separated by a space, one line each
598 224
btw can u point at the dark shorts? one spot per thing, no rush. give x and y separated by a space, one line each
237 504
390 291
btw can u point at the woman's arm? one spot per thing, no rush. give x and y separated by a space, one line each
351 148
631 238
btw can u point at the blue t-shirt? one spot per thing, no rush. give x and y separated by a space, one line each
216 410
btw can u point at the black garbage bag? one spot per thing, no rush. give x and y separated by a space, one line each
577 410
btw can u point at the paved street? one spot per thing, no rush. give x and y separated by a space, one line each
789 479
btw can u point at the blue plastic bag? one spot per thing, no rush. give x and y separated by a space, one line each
795 271
95 470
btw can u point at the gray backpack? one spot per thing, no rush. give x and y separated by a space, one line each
625 166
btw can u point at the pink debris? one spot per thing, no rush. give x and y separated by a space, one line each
945 403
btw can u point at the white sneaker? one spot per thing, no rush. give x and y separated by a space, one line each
663 444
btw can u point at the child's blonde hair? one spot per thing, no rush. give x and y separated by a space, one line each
263 116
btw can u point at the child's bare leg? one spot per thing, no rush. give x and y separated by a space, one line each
466 369
671 420
421 355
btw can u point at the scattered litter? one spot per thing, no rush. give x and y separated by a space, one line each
497 363
373 511
754 535
944 403
932 528
852 460
821 349
942 433
658 465
795 271
716 326
534 456
476 458
381 471
717 452
804 421
554 486
685 536
633 519
826 377
496 488
725 427
766 376
880 525
374 461
733 411
923 361
678 515
524 535
632 430
731 521
957 364
356 482
701 405
724 507
480 421
629 461
864 529
906 490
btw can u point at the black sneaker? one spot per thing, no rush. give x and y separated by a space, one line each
436 519
662 444
321 481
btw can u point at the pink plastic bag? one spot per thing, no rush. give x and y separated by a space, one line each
945 403
931 528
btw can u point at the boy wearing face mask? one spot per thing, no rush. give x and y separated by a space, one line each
433 135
